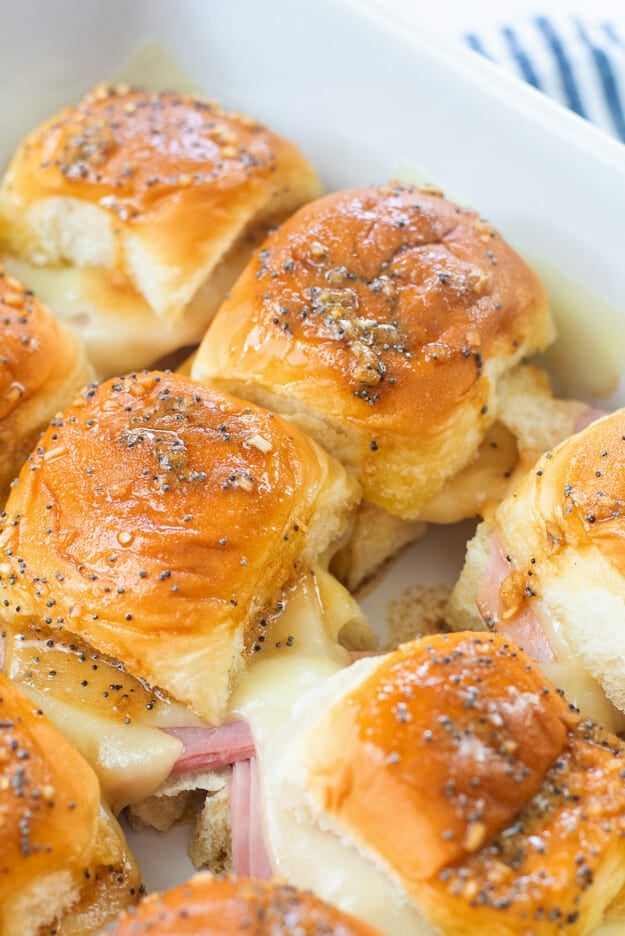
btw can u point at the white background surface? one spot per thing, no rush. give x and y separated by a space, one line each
453 17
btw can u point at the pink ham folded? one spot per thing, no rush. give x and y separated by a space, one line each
209 748
232 744
249 855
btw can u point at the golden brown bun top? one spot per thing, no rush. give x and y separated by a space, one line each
155 515
575 496
49 796
456 731
379 307
130 151
221 906
34 346
558 865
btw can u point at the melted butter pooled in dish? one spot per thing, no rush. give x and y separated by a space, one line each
112 718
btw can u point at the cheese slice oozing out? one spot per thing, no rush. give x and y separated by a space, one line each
570 674
268 696
112 718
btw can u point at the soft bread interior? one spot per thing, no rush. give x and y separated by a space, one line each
376 536
462 611
201 797
114 320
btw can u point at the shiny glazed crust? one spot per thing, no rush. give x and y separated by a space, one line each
574 497
159 520
212 906
42 365
443 722
381 319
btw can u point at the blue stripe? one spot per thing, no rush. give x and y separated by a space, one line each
610 31
608 81
476 44
569 85
526 66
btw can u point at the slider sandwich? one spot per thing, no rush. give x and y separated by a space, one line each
65 866
42 366
445 789
161 538
213 906
132 213
390 325
547 569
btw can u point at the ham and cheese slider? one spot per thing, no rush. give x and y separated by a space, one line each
42 365
131 214
229 906
547 569
447 789
382 321
155 543
65 866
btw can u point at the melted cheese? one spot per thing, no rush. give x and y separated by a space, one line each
280 695
570 674
485 479
113 719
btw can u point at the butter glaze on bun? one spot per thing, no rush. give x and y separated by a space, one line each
380 319
222 906
133 213
455 726
64 864
160 521
455 772
42 365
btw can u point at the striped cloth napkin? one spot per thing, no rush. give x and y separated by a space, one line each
578 61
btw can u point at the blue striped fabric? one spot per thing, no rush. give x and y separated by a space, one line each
580 63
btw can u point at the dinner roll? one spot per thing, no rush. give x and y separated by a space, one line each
548 568
458 792
381 320
42 365
164 523
65 866
131 213
214 906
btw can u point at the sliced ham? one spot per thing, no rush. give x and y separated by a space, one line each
208 748
232 744
240 803
249 855
523 628
260 866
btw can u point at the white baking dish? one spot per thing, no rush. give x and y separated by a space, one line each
365 95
